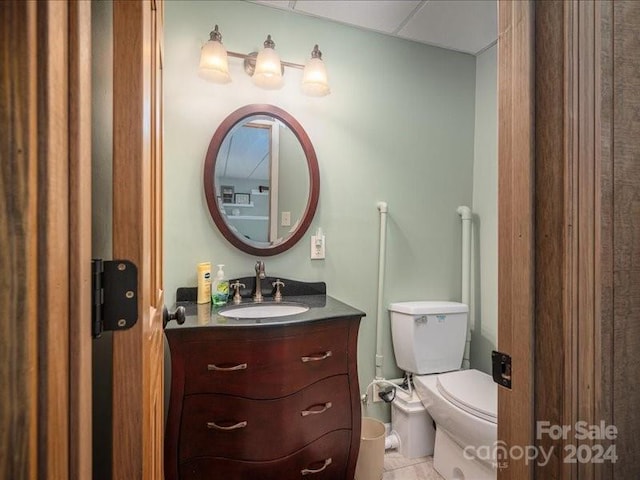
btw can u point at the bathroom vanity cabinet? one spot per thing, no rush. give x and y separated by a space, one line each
274 401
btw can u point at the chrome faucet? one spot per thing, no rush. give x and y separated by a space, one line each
257 295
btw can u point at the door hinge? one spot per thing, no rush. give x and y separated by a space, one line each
114 295
501 368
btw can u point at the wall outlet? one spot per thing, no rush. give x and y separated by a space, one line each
317 247
285 219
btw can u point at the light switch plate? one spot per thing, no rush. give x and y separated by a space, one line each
317 248
285 220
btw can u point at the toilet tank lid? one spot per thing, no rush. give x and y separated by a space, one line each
428 307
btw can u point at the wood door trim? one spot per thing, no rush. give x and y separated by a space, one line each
80 348
516 228
605 201
584 161
19 265
555 296
45 107
128 149
571 253
53 240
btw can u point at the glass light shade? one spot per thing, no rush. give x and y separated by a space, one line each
214 65
268 72
314 78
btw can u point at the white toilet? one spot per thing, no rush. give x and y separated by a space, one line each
429 340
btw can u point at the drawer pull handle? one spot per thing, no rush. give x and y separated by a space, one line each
215 426
316 358
308 471
241 366
324 408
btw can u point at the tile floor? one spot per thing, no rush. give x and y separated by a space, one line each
397 467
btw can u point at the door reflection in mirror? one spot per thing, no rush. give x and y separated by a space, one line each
261 180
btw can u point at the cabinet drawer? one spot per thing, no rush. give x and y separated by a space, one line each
324 459
247 429
265 368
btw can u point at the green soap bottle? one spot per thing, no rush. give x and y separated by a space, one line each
220 288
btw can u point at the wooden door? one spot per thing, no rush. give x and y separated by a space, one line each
587 333
516 231
45 239
615 324
138 353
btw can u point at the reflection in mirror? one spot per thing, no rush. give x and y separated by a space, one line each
261 179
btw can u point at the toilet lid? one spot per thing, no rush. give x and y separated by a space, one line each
471 390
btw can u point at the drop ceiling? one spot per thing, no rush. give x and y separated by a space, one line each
468 26
248 147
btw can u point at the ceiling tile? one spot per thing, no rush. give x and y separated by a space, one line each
274 3
381 15
464 25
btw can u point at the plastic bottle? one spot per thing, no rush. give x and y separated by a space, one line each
220 288
204 282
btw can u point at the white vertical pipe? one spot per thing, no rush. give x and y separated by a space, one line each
383 209
465 214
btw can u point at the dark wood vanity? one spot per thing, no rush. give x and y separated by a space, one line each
265 398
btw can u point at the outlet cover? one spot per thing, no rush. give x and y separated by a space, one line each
285 220
317 247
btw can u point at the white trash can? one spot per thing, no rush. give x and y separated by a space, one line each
370 464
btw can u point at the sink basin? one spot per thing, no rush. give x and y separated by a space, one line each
263 310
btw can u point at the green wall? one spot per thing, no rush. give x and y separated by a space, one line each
397 127
484 277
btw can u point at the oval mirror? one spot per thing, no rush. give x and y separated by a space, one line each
261 179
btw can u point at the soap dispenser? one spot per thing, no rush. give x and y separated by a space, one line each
220 288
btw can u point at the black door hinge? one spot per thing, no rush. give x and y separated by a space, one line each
114 295
501 363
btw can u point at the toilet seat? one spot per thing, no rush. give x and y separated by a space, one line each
472 391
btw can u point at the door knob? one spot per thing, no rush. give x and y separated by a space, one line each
179 316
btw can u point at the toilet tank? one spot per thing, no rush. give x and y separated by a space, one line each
428 337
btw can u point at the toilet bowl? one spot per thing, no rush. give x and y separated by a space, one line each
463 405
428 340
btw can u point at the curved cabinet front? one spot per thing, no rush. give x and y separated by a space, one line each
254 367
325 459
247 429
264 402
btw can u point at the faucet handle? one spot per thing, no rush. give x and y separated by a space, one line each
278 296
237 298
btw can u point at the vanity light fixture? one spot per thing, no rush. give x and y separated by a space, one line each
314 76
265 68
213 59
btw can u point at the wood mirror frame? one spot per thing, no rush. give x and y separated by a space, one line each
209 177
